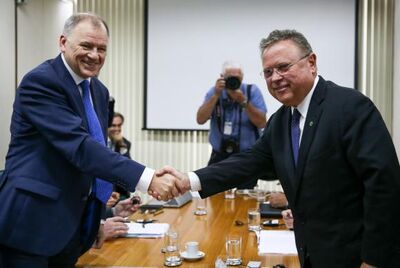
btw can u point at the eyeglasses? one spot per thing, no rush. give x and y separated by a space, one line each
281 69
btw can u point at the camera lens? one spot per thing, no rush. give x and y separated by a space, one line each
232 82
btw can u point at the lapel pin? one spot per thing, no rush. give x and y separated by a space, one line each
311 123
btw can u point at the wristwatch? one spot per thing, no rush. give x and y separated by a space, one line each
243 104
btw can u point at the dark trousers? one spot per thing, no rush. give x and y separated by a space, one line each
81 241
13 258
218 156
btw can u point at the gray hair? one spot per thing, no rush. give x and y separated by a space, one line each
280 35
75 19
231 65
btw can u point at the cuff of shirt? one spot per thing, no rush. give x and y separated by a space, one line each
195 184
145 180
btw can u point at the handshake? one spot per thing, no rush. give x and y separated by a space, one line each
168 183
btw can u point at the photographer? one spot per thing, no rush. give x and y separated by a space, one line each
237 112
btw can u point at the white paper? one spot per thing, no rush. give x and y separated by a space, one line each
277 242
148 230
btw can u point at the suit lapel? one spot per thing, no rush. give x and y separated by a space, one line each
310 127
71 89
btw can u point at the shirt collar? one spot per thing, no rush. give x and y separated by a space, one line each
303 106
77 78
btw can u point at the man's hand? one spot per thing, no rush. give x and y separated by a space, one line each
288 218
365 265
163 186
98 243
113 199
277 200
114 227
183 182
125 207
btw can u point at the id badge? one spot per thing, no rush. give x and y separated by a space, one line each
227 128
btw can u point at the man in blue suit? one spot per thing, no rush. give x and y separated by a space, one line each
331 150
51 194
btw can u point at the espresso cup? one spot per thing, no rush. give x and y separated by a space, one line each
192 248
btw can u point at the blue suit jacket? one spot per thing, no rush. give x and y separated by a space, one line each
344 193
52 160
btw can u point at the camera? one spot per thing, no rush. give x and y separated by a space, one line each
230 146
232 82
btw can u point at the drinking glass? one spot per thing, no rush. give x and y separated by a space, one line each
201 206
230 194
254 219
172 256
233 244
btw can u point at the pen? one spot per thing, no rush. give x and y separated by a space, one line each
158 212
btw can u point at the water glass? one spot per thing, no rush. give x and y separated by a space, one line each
220 261
201 206
254 219
230 194
233 244
172 256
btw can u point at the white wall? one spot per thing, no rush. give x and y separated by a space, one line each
396 79
40 23
7 74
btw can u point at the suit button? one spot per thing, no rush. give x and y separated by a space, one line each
84 198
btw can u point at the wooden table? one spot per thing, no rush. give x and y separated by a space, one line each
209 230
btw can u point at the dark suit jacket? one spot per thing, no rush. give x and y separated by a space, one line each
345 191
52 160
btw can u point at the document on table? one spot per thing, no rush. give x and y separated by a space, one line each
278 242
148 230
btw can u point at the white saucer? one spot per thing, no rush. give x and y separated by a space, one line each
200 254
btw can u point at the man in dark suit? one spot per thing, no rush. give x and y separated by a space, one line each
331 150
50 193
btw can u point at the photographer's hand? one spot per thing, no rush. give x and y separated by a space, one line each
206 109
236 95
219 86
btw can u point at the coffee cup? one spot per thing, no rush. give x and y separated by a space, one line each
192 248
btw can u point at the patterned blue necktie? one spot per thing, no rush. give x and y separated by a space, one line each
102 189
295 133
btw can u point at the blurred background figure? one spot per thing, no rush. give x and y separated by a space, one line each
118 143
278 200
288 218
237 113
116 140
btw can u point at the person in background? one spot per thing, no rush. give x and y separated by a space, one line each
335 159
59 172
287 217
237 112
118 143
115 223
113 200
